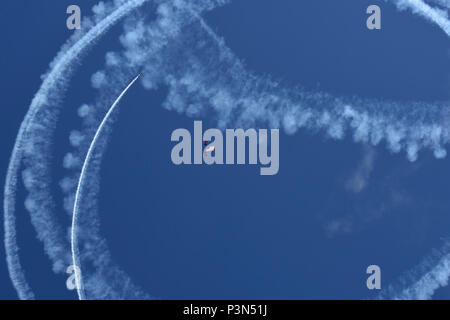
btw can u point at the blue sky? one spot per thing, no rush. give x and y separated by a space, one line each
225 232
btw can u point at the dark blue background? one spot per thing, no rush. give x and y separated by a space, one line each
225 231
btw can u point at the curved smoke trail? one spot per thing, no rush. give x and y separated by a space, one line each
421 282
419 7
203 76
79 191
50 91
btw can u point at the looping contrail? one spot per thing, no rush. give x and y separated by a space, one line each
51 89
234 93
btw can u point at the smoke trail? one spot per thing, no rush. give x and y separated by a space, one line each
434 271
35 131
422 281
435 15
79 191
237 96
442 3
203 77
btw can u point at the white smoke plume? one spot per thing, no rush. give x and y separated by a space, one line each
33 143
434 15
421 282
204 78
